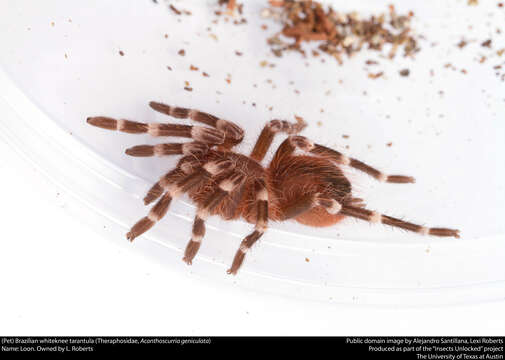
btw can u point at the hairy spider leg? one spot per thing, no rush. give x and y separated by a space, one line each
261 204
224 189
175 189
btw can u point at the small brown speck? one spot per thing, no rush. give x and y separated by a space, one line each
193 68
389 144
166 36
187 88
486 43
238 53
462 44
121 52
169 68
175 10
404 72
52 23
376 75
205 74
307 259
182 52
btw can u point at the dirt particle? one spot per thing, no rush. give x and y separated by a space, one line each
404 72
182 52
121 52
486 43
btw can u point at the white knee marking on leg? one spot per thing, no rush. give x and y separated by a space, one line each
120 124
345 160
424 230
261 226
158 150
376 217
227 185
153 129
173 190
186 168
192 114
243 248
197 238
262 195
382 177
153 216
334 208
211 167
202 213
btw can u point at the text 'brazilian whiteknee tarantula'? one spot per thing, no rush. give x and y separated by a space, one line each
309 187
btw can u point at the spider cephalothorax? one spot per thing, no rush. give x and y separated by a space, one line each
309 187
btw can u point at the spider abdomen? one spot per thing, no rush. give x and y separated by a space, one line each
298 180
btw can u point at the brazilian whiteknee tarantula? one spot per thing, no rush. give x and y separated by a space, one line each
309 187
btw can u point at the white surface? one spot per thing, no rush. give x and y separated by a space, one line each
365 265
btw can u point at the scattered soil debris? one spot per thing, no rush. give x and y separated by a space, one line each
182 52
169 68
121 52
187 88
193 68
338 33
307 260
238 53
205 74
231 5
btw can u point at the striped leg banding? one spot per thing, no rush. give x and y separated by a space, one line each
375 217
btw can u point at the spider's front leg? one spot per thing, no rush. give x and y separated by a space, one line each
261 203
268 133
172 185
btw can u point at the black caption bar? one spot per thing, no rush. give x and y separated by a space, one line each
419 348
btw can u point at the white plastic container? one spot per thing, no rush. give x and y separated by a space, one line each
60 63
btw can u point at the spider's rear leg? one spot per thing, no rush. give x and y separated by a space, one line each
225 188
173 186
260 227
375 217
233 133
302 143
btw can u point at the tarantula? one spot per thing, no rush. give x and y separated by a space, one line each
309 187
